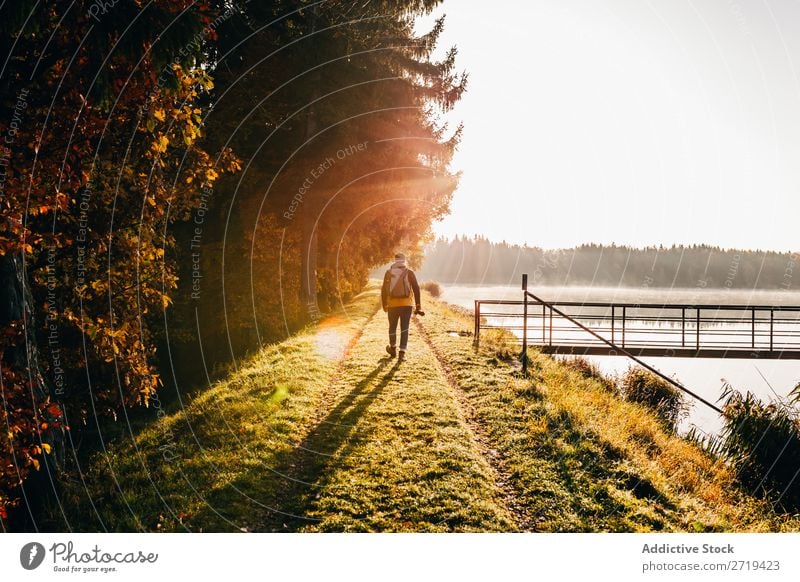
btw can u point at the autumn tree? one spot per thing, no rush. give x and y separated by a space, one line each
335 111
103 108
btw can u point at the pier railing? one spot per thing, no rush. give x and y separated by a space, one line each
644 329
677 330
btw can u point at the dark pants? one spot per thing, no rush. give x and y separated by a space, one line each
403 314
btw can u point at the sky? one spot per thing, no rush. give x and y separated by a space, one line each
638 122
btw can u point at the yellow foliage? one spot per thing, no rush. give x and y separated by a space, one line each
160 144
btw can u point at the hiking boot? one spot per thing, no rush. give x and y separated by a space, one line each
401 356
391 351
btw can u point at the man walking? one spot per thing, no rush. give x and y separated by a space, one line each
399 296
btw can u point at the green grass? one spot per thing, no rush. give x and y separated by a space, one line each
297 441
215 466
401 455
323 432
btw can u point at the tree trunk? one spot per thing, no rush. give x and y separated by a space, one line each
309 241
11 309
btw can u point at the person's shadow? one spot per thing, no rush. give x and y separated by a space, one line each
312 457
282 497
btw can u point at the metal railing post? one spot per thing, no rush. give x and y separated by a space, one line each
753 329
683 327
544 325
612 323
477 332
624 315
698 330
771 327
525 324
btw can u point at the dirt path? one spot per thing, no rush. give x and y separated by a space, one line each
391 449
479 435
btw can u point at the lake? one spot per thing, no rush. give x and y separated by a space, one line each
765 378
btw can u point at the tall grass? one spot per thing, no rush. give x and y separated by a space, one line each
433 288
589 369
643 387
502 344
762 443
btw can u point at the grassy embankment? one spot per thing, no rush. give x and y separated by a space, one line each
581 458
322 432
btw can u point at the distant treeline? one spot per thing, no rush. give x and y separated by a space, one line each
478 260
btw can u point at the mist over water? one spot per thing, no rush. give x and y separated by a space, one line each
768 379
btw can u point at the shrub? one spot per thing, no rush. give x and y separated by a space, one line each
433 288
762 443
588 369
643 387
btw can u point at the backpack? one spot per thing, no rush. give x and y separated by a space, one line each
401 288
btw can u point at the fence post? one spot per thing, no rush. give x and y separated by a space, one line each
624 318
525 324
683 327
477 333
544 325
697 342
613 312
771 327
